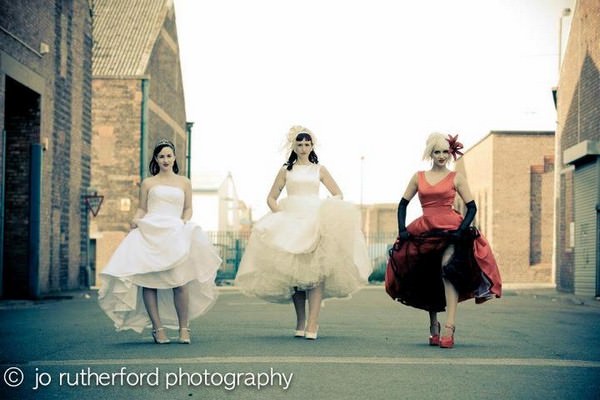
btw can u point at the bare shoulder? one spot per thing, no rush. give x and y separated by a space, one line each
184 180
323 169
459 178
414 179
147 182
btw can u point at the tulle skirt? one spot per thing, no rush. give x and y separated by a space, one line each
310 242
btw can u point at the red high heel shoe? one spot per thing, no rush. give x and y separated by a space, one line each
447 342
434 340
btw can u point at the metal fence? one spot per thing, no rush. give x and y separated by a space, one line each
231 246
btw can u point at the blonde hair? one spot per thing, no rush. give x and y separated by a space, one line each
434 140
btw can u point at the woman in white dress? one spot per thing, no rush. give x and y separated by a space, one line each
308 248
163 272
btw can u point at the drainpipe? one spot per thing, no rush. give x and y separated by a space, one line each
144 128
2 183
598 244
188 156
35 208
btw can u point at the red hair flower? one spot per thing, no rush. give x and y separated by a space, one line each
455 146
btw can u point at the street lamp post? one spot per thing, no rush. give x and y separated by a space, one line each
362 178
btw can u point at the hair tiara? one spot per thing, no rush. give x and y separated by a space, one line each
164 141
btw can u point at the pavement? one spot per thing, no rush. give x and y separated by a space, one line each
534 343
535 290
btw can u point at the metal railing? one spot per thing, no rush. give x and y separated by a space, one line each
231 246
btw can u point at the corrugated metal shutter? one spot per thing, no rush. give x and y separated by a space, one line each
586 178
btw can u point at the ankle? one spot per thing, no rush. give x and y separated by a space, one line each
160 335
434 328
449 329
312 327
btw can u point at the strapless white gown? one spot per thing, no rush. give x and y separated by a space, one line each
162 253
312 240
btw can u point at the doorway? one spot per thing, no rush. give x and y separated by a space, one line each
22 128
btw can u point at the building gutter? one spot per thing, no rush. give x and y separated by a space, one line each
144 128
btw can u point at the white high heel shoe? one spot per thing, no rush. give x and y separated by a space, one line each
311 335
184 336
300 332
157 339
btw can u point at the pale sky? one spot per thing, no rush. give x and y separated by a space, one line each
371 78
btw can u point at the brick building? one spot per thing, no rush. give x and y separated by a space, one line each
45 119
137 99
511 177
578 155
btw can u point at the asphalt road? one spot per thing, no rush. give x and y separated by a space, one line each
523 346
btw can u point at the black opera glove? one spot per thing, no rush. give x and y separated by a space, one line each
402 214
402 232
466 222
403 235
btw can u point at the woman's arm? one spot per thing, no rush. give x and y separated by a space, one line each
142 203
330 183
186 215
462 188
276 189
412 187
409 193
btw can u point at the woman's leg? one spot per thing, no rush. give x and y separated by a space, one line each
451 296
181 298
299 299
150 297
182 302
433 323
151 302
315 296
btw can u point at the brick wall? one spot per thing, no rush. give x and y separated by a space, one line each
116 156
499 171
61 77
117 118
541 214
380 218
167 116
578 112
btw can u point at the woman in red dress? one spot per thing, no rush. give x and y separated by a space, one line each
439 260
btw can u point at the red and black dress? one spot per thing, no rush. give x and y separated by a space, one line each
414 273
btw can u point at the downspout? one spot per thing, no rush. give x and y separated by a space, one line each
144 128
35 208
2 183
188 131
598 227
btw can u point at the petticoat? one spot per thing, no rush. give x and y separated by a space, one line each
311 241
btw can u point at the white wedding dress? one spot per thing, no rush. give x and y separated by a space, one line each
162 253
312 240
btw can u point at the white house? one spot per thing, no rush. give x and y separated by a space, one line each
215 201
